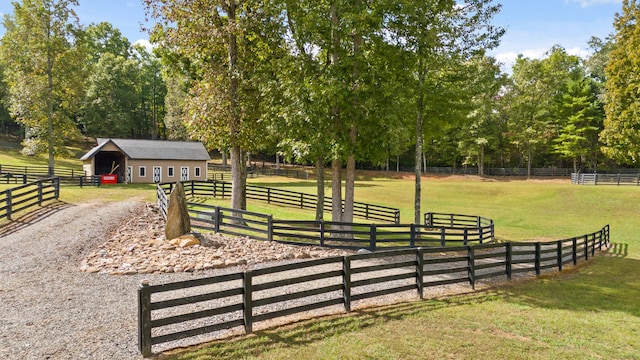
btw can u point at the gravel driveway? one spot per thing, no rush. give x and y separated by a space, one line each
49 309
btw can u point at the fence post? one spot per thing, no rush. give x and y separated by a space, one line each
586 247
346 283
574 251
321 232
466 237
471 265
39 192
192 186
412 235
509 260
24 179
442 237
560 255
270 228
247 312
269 195
56 186
372 237
144 319
593 246
9 198
301 201
537 258
366 211
420 272
216 224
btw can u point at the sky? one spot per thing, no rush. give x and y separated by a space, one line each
533 26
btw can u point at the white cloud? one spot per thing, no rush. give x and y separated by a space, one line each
145 44
507 59
587 3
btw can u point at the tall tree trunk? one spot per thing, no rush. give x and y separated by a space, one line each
320 188
50 61
481 161
236 177
529 162
238 184
349 189
418 153
350 181
336 189
336 164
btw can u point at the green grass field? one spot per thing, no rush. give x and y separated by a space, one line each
592 312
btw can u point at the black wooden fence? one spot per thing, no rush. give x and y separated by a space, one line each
28 195
222 189
23 174
40 171
439 229
212 307
606 179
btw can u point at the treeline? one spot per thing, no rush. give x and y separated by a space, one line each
367 81
62 80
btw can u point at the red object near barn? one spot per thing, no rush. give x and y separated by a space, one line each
109 179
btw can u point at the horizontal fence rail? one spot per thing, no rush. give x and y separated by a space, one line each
214 307
222 189
606 179
28 195
40 171
23 174
456 230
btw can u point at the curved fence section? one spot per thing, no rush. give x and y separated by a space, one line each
222 189
439 230
215 307
28 195
461 229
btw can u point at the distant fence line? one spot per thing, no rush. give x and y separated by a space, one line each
215 305
28 195
40 171
606 179
222 189
23 174
223 172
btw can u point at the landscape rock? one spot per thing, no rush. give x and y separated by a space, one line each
139 248
178 222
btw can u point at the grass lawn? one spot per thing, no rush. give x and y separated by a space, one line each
592 312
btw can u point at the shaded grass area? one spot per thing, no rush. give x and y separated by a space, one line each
590 312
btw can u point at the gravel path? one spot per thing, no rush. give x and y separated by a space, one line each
49 308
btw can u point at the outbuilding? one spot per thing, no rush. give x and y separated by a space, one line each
147 161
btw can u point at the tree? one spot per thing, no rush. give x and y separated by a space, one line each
436 37
231 45
43 71
579 116
621 133
111 96
480 130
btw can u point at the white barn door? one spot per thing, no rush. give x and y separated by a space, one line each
157 174
129 174
184 173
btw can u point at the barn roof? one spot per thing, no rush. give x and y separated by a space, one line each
154 149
